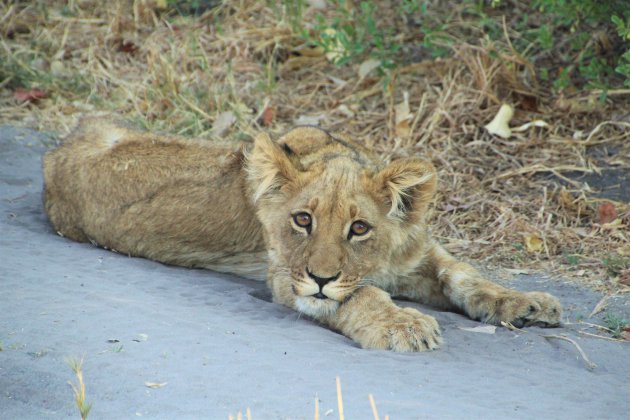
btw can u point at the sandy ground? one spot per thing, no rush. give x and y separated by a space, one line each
219 346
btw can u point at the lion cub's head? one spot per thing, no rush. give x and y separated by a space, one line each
334 215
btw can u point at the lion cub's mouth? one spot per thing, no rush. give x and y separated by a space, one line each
318 296
316 306
302 292
313 299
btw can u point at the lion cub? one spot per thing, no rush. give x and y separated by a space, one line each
335 229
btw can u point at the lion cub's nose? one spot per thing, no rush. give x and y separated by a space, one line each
322 281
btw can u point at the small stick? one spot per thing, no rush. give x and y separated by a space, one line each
373 404
339 399
589 364
601 327
601 336
511 327
248 413
316 408
600 306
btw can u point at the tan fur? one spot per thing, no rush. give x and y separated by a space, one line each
196 204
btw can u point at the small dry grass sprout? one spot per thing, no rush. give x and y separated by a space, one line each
317 415
79 388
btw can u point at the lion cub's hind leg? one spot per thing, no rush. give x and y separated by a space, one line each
61 211
64 168
488 302
61 216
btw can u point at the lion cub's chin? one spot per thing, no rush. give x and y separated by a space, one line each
314 307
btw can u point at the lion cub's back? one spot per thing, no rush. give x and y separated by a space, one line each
165 198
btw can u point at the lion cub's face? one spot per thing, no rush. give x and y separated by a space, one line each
333 214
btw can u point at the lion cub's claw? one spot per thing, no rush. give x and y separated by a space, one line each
529 309
407 331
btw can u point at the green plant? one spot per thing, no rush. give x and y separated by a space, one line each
616 324
38 354
117 348
410 6
571 42
30 69
623 29
190 7
571 259
615 264
592 54
293 11
353 33
518 254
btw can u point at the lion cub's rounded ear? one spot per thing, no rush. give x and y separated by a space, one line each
408 185
268 167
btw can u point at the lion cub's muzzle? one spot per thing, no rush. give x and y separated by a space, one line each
321 282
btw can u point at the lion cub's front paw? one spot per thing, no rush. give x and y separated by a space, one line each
528 309
405 331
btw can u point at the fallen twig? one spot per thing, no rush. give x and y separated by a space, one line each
511 327
589 364
603 337
600 306
535 169
589 325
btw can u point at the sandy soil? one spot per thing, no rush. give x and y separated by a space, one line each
220 346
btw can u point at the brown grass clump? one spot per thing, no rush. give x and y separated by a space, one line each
241 68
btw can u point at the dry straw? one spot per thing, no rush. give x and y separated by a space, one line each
340 406
240 68
79 389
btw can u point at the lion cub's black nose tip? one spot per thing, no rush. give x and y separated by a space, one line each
322 281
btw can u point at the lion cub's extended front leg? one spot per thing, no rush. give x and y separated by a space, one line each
371 319
488 302
368 316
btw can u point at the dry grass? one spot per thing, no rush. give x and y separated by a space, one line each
500 201
317 416
79 389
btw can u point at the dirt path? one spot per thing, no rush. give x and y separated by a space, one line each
219 348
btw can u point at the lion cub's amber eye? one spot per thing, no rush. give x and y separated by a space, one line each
302 220
359 228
